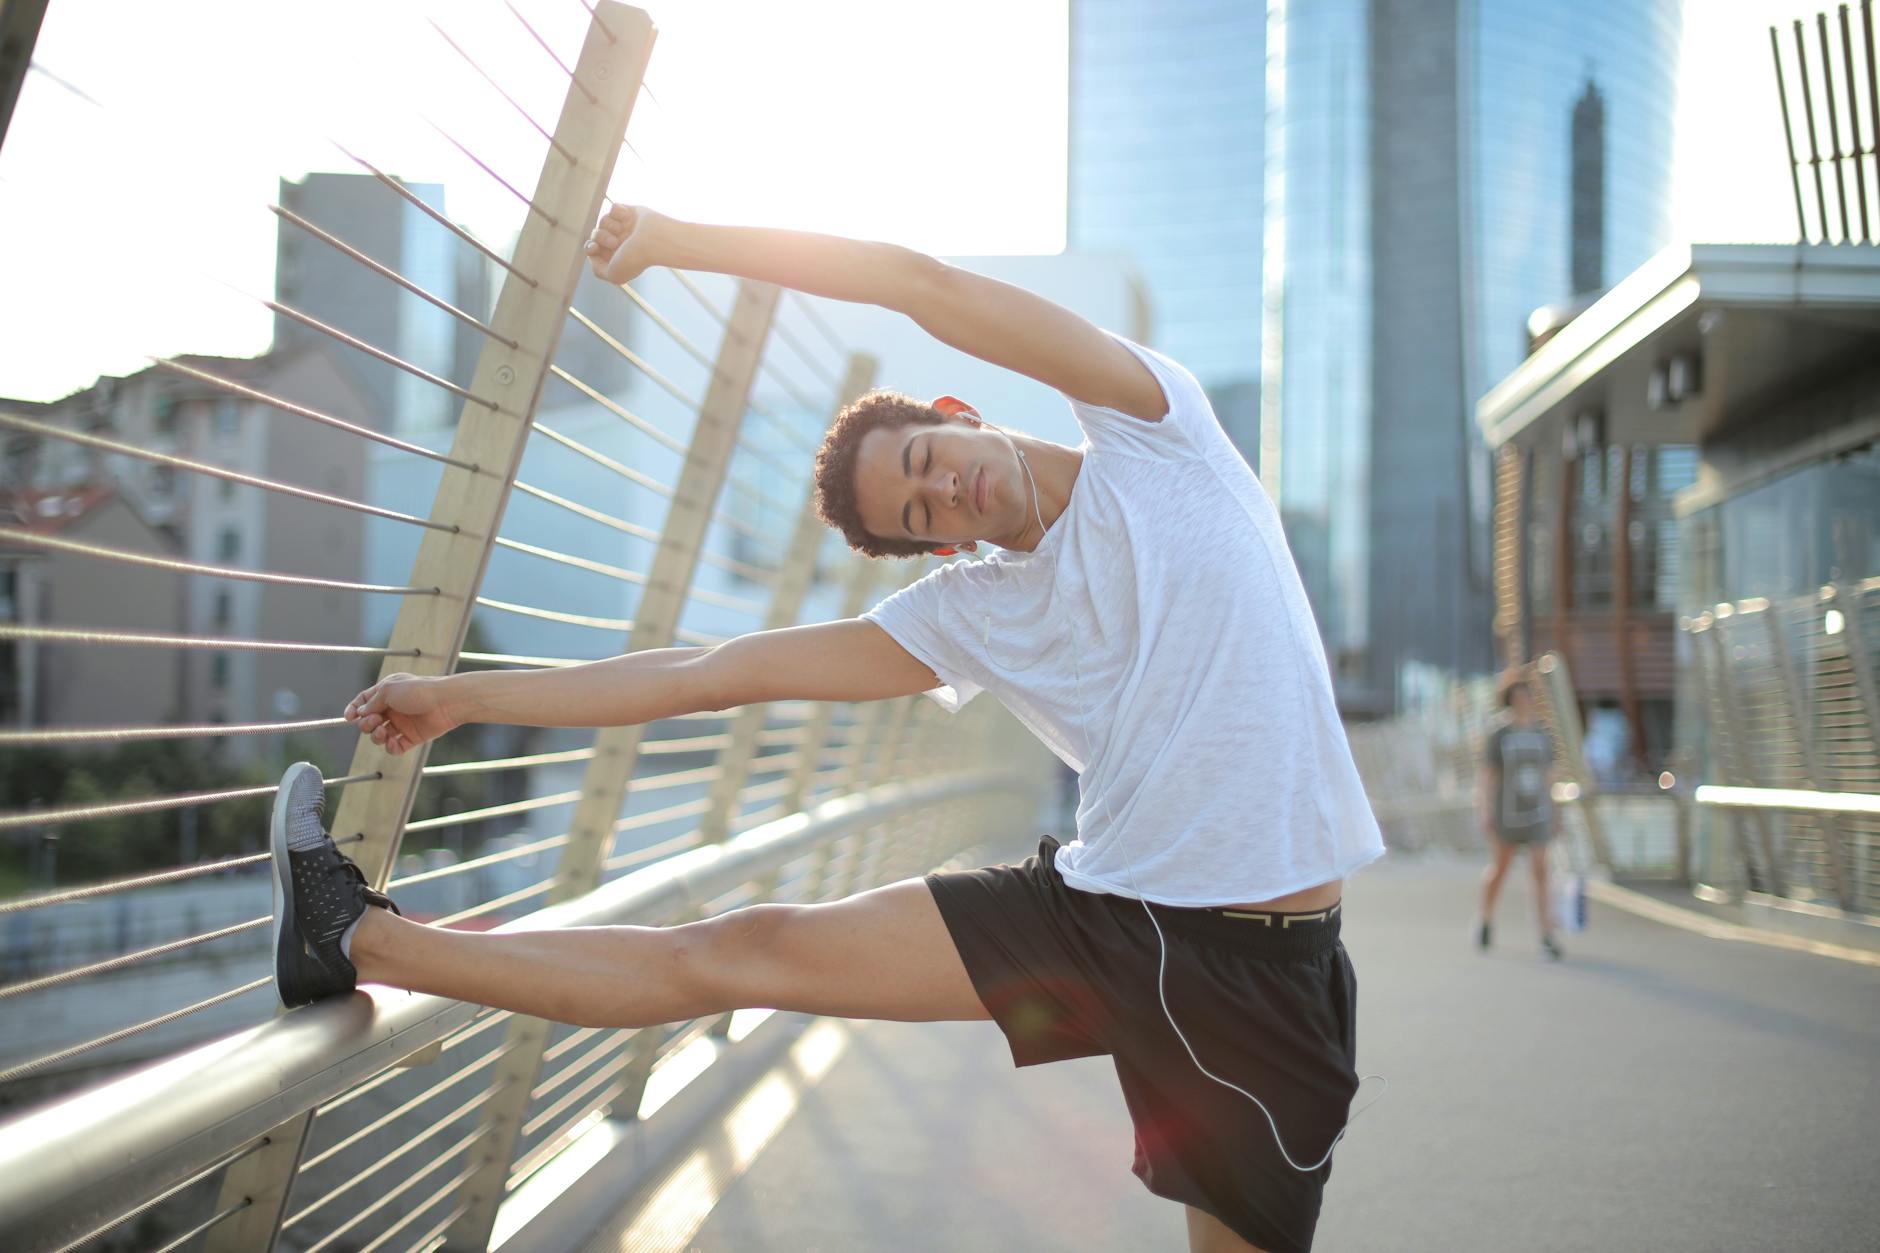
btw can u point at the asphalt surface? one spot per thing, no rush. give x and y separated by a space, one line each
1656 1090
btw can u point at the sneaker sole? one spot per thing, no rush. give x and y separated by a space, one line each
283 879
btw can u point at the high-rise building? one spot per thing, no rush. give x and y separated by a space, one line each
1436 170
1165 169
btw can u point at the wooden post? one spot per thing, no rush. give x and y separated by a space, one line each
612 63
861 580
616 749
786 604
1563 556
1622 607
1510 536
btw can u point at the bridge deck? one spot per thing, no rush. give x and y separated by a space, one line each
1657 1088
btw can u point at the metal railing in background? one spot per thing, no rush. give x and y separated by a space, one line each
405 1123
1788 693
1421 772
1419 769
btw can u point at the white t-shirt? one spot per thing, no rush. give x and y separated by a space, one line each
1159 641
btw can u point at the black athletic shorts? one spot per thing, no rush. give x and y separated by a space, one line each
1268 1001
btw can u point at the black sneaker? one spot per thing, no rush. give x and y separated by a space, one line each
1482 936
1551 947
318 893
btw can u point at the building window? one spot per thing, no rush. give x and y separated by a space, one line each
163 414
218 672
163 482
229 544
224 609
225 489
226 414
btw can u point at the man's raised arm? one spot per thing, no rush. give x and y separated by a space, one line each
994 321
848 660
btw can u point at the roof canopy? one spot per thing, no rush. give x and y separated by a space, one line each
1724 327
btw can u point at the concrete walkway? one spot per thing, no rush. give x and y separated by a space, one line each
1658 1089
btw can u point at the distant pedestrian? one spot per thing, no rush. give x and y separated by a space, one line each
1515 805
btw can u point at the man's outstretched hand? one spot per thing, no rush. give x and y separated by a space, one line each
402 711
620 246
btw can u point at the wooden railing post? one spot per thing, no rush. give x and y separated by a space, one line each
786 605
616 749
370 818
856 587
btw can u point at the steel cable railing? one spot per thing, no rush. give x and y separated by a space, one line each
642 799
1789 754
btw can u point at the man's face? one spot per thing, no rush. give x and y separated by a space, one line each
950 483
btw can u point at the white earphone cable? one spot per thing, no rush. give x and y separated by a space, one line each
1161 977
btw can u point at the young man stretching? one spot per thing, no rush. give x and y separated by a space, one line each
1139 612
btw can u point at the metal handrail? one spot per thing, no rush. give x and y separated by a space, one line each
1796 799
75 1163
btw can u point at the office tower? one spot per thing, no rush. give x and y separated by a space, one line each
1165 135
1421 161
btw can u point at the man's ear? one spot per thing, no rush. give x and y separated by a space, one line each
953 406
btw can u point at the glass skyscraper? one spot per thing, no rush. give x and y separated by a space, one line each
1420 181
1165 168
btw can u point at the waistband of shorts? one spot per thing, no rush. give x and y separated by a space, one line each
1261 933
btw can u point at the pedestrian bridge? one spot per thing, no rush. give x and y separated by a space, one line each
1683 1079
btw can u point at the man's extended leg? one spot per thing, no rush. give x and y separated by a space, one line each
880 954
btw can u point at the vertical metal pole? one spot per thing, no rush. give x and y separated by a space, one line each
616 749
786 603
1563 553
1814 146
1834 122
1856 153
372 816
1788 137
1873 91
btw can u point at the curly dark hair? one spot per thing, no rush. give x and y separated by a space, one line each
835 468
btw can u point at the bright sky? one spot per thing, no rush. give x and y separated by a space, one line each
137 226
